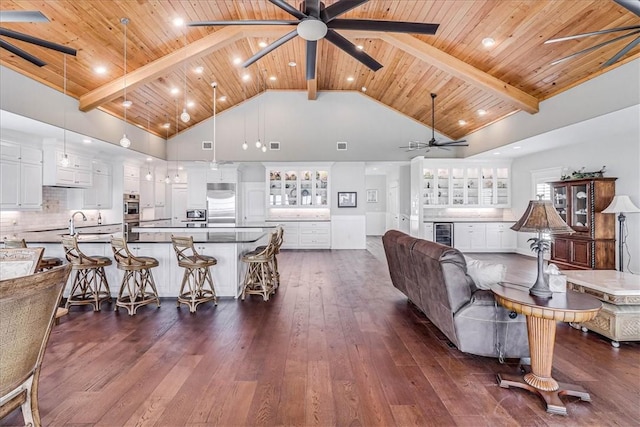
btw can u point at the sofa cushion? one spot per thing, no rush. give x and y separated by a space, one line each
485 274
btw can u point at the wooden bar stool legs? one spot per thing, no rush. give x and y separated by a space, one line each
89 283
262 277
138 287
197 284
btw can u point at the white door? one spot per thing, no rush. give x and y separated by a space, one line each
253 205
393 212
178 203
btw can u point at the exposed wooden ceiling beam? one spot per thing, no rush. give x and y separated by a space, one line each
312 89
462 70
153 70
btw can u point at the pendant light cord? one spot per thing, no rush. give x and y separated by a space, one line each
125 21
215 85
64 111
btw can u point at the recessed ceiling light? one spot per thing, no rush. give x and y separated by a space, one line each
462 122
127 104
292 64
488 42
350 78
517 147
166 125
497 153
174 91
482 112
190 104
86 141
246 77
100 69
360 47
180 167
273 78
363 88
198 70
178 22
222 98
262 43
237 61
149 159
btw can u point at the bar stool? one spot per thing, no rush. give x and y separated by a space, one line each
274 261
137 276
197 276
259 278
89 285
46 263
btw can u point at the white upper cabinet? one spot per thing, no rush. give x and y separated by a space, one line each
298 186
78 173
465 183
100 195
131 181
21 176
197 187
227 174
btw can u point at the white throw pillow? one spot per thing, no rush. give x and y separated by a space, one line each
485 274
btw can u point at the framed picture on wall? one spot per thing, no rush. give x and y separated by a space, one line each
347 199
372 196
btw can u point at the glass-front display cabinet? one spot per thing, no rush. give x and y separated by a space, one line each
293 187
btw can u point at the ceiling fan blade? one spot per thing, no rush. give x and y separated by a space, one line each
339 8
622 52
288 8
592 48
312 47
38 42
246 22
22 16
386 26
22 54
282 40
593 33
461 143
631 5
311 8
352 50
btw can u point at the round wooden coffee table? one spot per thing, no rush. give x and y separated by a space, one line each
542 315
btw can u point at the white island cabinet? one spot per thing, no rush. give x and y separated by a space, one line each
484 237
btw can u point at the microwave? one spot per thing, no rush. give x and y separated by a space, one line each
196 214
131 204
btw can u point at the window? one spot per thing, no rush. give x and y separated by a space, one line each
543 189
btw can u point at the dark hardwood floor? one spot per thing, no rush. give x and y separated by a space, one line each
337 345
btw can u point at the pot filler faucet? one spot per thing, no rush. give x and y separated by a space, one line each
72 226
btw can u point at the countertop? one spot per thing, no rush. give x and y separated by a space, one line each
298 220
467 220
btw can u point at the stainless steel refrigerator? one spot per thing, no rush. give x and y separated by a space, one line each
221 204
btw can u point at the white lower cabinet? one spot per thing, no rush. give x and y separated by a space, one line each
306 235
427 231
484 237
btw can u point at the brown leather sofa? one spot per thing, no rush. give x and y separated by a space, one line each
434 278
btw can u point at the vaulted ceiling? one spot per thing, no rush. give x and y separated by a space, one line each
514 74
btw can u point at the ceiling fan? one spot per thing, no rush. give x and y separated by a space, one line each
215 163
633 30
432 143
28 16
315 22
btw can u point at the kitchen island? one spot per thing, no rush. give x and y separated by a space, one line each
227 245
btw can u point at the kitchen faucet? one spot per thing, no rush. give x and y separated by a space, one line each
72 226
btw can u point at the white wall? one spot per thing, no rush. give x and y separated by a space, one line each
348 225
376 212
621 156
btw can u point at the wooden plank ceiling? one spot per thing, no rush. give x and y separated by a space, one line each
515 74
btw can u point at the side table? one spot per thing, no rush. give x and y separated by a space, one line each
542 315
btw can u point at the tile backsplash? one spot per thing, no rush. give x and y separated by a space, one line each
54 214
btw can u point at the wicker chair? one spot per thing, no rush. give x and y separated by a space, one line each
197 283
45 262
89 285
16 262
137 276
27 310
260 278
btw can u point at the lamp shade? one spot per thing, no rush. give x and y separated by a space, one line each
541 216
621 204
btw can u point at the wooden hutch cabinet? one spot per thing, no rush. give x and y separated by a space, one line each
580 203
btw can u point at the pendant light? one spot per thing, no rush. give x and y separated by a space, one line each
167 179
185 117
176 178
124 141
149 175
64 162
264 112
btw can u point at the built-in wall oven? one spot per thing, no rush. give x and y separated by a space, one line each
443 233
131 215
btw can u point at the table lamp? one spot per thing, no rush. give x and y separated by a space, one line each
620 205
541 217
